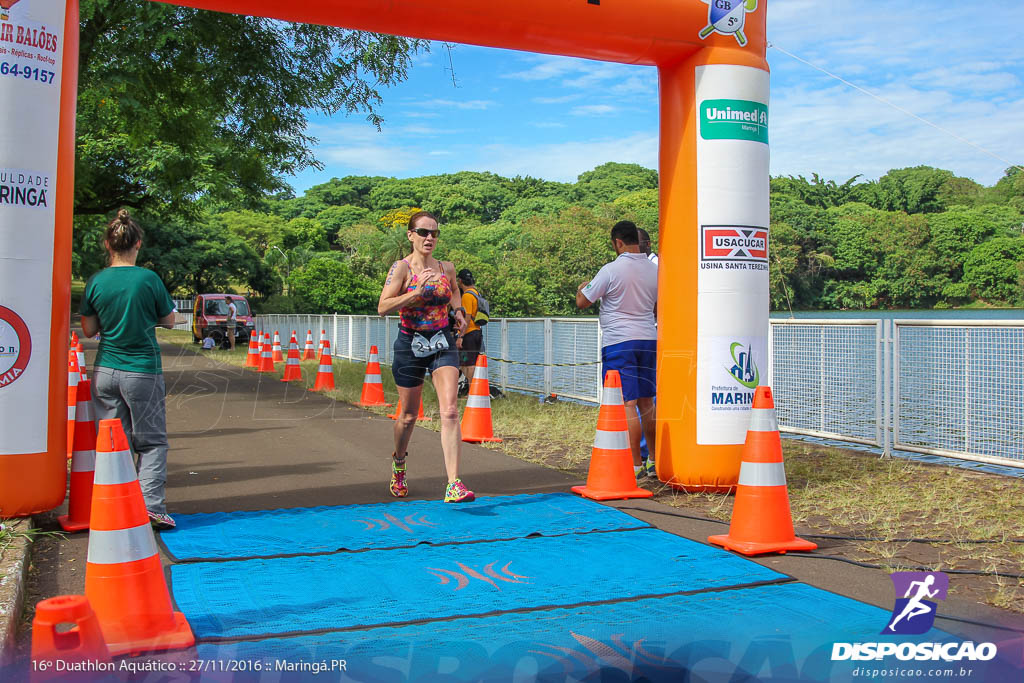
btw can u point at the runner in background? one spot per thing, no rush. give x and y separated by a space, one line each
471 342
628 291
126 303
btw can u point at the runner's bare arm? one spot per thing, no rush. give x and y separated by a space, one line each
392 297
168 321
582 301
460 312
90 326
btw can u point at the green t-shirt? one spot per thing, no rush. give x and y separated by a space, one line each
128 301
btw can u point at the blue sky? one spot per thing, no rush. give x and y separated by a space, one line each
957 65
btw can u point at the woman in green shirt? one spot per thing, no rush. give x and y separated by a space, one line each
126 303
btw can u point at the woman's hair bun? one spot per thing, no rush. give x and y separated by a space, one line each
124 216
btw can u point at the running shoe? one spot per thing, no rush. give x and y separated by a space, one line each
652 471
641 475
161 521
458 493
399 489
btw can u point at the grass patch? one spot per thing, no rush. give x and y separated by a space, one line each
833 491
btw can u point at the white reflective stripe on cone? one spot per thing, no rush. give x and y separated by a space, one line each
71 413
763 420
83 461
374 358
292 361
325 368
115 468
371 379
478 401
480 372
611 396
612 441
762 474
121 545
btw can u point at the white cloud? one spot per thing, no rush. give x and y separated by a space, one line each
593 110
477 105
565 161
370 159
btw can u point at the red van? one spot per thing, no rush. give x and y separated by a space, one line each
210 314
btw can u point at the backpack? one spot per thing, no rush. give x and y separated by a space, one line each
483 309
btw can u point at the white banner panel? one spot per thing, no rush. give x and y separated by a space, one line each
31 46
732 254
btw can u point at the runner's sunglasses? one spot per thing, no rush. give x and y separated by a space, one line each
423 232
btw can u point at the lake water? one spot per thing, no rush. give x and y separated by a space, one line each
1016 314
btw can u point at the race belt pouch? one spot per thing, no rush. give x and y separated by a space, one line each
423 347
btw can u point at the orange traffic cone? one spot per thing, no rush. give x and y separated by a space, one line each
124 579
74 338
323 339
398 411
476 418
292 368
611 461
373 388
309 353
83 462
761 522
83 643
266 356
325 373
74 376
80 352
278 354
252 359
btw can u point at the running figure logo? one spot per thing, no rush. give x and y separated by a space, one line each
914 613
727 17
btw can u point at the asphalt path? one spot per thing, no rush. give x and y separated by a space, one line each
241 441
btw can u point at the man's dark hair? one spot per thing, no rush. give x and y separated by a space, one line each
644 240
626 231
465 276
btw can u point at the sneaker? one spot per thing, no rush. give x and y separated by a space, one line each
458 493
641 475
161 522
652 471
399 489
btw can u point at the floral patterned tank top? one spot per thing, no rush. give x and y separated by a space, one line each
432 314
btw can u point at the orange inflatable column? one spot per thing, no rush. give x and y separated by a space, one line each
37 149
713 344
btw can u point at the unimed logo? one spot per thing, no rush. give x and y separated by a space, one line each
913 614
734 120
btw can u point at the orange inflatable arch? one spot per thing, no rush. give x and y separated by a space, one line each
713 164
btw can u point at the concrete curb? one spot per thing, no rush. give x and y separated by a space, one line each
13 574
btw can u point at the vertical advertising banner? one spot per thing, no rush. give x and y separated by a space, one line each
732 217
31 45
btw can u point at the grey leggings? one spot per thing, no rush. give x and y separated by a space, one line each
137 399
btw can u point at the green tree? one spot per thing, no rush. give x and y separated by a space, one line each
609 181
177 104
258 230
303 233
329 285
994 270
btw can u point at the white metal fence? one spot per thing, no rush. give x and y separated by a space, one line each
952 388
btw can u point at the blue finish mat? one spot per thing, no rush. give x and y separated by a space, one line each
266 533
775 632
309 593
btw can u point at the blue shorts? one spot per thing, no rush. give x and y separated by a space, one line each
408 370
636 361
